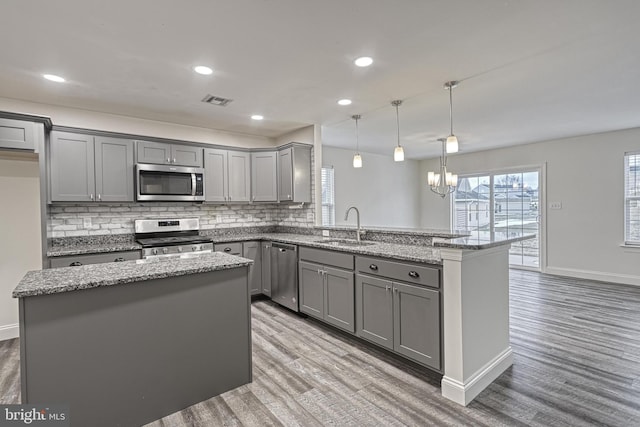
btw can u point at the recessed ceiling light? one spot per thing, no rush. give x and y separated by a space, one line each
344 102
53 78
363 61
201 69
257 117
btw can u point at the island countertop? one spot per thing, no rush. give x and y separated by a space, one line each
477 240
66 279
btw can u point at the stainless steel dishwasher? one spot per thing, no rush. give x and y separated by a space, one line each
284 275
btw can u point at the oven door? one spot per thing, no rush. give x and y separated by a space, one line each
169 183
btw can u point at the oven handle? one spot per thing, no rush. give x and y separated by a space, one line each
193 184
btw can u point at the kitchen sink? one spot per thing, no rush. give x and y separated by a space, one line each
344 242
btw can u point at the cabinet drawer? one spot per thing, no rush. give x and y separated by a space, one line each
76 260
320 256
234 248
411 273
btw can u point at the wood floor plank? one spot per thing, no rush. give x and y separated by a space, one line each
576 350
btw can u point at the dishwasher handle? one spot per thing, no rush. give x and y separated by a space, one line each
283 247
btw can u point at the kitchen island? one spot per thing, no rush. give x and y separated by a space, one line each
127 343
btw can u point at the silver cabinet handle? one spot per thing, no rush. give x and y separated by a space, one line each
174 160
91 196
373 267
227 249
119 259
168 160
100 197
395 290
75 264
388 288
414 274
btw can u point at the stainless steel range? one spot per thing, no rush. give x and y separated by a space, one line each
161 238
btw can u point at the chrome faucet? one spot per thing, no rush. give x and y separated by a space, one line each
346 217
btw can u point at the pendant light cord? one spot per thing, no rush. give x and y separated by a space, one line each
451 107
398 123
357 139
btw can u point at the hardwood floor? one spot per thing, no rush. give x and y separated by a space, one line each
577 363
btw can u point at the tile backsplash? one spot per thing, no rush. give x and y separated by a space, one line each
92 220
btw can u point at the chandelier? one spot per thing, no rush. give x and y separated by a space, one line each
443 182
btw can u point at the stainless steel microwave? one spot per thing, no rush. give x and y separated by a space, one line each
169 183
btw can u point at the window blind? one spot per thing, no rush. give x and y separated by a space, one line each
632 198
328 197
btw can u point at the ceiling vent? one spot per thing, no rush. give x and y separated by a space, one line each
216 100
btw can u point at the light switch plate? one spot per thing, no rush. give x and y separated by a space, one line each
555 205
86 222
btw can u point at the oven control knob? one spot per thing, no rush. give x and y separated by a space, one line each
165 250
195 248
155 252
179 248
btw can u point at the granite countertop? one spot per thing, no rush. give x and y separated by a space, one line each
65 279
477 240
93 248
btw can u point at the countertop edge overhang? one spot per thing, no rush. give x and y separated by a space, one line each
67 279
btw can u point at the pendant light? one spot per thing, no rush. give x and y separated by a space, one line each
357 158
398 153
443 182
452 140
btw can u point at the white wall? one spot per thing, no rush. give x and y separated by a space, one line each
585 174
387 193
304 135
73 117
20 249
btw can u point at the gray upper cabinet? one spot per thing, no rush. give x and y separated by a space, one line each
294 174
239 176
227 176
264 176
253 251
163 153
215 175
114 169
84 168
72 167
17 134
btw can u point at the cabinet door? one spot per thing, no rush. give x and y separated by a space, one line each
311 288
374 310
17 134
71 167
215 175
239 163
114 169
285 175
252 251
339 304
417 323
186 155
154 152
264 177
266 268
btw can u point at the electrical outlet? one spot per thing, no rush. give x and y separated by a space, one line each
325 233
555 205
86 222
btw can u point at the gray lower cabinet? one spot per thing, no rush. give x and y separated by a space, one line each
84 168
227 176
398 307
252 250
164 153
327 291
266 268
78 260
17 134
264 176
234 248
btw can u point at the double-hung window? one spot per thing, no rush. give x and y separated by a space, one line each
328 197
632 198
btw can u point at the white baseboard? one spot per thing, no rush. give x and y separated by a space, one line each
625 279
464 393
8 332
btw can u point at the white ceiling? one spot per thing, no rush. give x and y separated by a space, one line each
530 70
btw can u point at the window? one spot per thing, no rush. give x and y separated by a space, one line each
328 197
632 198
510 204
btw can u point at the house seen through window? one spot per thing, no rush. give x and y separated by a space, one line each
632 198
328 197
